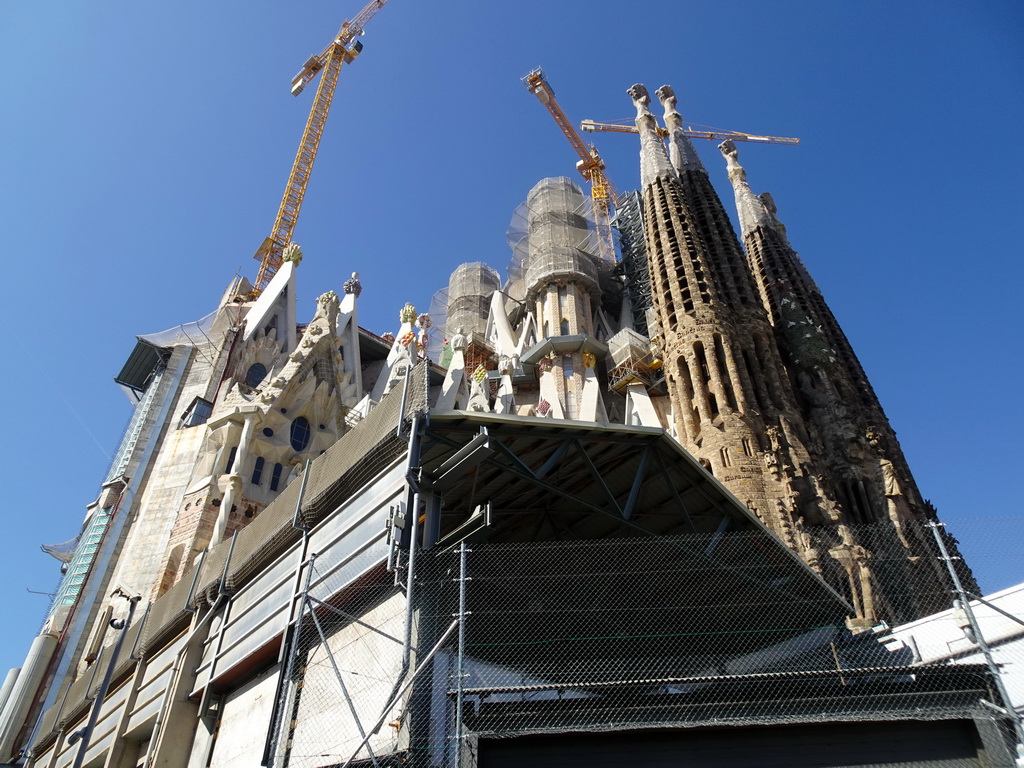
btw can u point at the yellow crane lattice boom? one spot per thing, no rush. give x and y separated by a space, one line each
590 164
591 126
342 50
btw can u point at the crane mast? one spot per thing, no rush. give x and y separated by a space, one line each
590 164
342 50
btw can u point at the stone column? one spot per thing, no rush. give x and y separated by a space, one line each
232 484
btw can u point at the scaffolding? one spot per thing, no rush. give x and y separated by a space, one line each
629 223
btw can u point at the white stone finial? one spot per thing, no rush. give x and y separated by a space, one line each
654 160
731 155
681 150
641 99
751 209
667 96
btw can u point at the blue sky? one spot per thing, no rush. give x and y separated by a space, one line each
146 146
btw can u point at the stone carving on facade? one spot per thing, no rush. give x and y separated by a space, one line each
895 501
854 560
478 396
808 551
829 507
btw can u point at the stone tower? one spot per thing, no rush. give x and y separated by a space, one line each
732 404
561 288
765 388
862 464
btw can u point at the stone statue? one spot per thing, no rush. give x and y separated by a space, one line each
829 508
854 560
895 501
810 553
458 342
327 309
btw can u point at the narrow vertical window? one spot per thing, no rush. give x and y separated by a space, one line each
275 477
257 470
231 460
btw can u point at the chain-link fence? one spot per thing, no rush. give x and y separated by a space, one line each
726 629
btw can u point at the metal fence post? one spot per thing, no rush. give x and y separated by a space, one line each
979 638
460 653
274 740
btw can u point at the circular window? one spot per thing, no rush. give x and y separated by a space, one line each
300 434
255 374
268 432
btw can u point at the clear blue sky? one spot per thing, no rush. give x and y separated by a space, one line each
145 147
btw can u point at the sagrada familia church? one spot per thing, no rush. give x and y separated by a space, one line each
254 429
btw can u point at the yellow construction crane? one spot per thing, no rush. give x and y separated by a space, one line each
590 126
590 164
342 50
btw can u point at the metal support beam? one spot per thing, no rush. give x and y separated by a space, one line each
597 476
344 688
401 691
675 491
638 481
353 619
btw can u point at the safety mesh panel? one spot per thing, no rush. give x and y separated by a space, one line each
694 631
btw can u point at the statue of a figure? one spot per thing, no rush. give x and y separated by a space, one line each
810 553
327 308
458 342
854 559
827 505
895 502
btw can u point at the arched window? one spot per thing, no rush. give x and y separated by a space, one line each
255 374
563 327
275 477
257 470
300 434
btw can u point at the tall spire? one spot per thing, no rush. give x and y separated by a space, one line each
681 150
726 262
654 160
724 375
854 440
752 210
